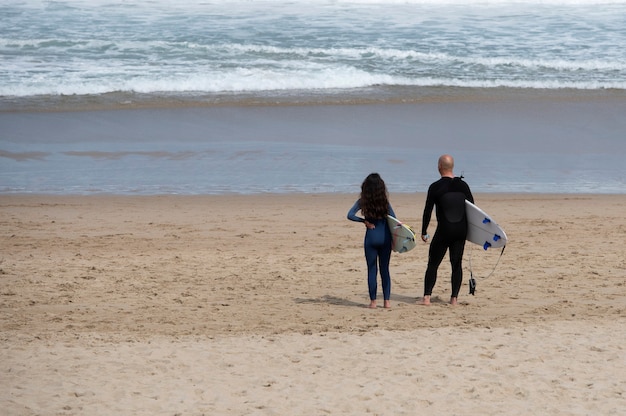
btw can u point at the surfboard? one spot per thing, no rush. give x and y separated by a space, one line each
482 229
403 237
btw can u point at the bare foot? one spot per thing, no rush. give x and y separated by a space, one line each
372 304
387 304
425 301
453 301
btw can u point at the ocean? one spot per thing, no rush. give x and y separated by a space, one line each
213 97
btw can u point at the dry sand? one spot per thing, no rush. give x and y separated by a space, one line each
238 305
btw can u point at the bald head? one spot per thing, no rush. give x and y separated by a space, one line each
446 165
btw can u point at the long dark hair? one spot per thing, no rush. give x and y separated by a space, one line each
374 199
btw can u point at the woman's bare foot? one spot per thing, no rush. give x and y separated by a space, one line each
387 304
372 304
453 301
424 301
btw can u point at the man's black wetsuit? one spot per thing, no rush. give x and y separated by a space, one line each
448 195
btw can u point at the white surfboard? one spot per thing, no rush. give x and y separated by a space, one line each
403 237
482 229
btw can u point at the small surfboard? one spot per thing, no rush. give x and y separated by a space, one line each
482 229
403 237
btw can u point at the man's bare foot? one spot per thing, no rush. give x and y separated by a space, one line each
453 301
387 304
372 304
424 301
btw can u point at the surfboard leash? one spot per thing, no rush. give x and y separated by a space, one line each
472 281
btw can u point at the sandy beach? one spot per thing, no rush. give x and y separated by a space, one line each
175 179
239 305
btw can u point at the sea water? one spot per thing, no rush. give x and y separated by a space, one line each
115 54
99 46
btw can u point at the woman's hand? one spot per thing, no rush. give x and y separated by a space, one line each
369 225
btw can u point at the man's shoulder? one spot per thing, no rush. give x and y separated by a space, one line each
440 181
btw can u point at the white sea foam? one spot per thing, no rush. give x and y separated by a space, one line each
245 80
201 3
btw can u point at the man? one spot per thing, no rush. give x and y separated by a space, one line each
448 194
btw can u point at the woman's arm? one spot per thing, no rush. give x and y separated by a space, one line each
352 213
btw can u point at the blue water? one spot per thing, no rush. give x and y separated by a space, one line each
291 168
114 54
251 168
553 146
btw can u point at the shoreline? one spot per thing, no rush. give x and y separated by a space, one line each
389 95
506 195
523 195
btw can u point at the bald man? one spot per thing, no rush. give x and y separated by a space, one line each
448 195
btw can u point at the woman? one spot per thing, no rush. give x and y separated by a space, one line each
374 205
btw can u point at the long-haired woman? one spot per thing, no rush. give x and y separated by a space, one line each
374 206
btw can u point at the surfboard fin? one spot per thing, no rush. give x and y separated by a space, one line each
486 220
496 237
486 245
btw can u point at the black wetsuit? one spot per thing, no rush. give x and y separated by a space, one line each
448 195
